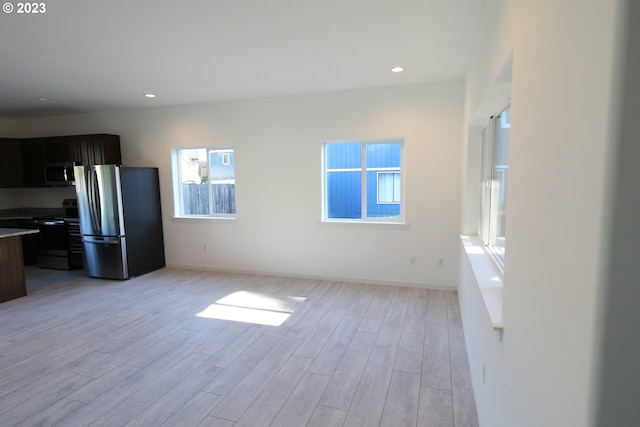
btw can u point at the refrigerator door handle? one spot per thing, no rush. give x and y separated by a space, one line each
100 242
94 197
89 187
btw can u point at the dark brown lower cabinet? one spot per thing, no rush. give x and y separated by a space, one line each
76 260
12 281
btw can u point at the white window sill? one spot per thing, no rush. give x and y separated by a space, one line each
202 218
365 223
488 276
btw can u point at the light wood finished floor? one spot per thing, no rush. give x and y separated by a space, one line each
162 350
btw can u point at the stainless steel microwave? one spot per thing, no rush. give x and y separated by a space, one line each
59 174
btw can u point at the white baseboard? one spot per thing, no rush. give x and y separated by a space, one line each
418 285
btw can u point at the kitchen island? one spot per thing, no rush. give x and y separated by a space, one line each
12 280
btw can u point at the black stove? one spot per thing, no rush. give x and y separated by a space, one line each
59 244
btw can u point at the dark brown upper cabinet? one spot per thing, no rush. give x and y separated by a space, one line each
32 163
22 161
60 149
10 163
100 149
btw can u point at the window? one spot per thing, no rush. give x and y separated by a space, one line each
494 179
369 193
204 181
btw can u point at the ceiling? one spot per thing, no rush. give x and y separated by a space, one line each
92 55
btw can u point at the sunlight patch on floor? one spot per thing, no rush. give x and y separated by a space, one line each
252 307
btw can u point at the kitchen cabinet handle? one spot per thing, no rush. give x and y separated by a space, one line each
44 222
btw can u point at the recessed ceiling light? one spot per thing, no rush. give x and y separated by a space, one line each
397 69
150 95
42 98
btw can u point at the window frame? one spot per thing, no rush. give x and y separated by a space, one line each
488 212
178 193
401 218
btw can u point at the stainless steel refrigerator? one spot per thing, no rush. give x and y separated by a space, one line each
120 220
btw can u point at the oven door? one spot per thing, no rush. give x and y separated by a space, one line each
52 249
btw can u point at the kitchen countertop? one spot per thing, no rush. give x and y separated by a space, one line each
12 232
29 213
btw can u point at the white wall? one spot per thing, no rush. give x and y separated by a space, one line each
619 374
8 128
11 198
277 144
546 370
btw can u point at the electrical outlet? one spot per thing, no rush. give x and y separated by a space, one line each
412 260
440 262
205 248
